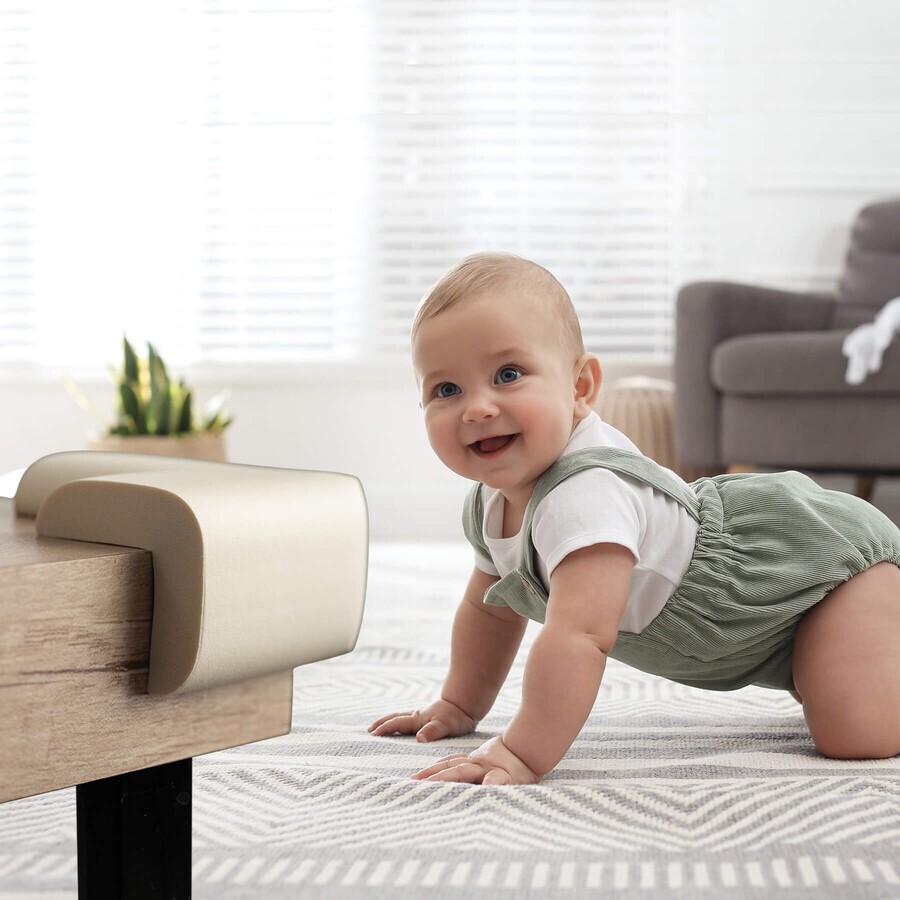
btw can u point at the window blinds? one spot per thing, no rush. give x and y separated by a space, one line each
567 132
323 164
18 333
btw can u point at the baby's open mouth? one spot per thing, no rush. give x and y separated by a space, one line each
492 445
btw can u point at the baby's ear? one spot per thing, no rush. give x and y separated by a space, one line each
588 376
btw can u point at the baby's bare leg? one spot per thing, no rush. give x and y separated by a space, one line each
847 666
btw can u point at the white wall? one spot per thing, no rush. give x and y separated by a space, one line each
807 130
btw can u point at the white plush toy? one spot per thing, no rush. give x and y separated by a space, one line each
864 347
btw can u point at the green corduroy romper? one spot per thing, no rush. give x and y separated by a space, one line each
769 547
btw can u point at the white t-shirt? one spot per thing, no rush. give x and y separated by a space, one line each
599 506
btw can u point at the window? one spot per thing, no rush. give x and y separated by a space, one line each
279 181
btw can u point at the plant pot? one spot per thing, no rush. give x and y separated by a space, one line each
205 445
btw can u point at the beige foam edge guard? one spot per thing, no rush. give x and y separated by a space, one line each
256 570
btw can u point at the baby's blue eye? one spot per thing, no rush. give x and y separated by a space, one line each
446 389
508 374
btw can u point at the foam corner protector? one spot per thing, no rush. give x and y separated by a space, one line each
255 570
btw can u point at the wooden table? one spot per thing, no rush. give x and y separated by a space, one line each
74 649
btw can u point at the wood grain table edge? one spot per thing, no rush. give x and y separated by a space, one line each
75 625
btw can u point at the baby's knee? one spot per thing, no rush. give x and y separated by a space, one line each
844 746
857 732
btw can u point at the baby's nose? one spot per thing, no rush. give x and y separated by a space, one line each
480 406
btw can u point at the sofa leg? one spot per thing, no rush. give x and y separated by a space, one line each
134 835
865 485
737 468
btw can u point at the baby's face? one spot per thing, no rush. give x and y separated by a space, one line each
497 389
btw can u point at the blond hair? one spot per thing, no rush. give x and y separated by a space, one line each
478 273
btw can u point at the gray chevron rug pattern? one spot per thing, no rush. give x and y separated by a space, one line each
669 791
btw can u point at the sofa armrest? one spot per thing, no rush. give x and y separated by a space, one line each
706 313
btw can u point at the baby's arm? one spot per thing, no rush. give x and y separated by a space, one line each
588 593
483 646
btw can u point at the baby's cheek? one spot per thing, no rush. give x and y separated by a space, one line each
440 437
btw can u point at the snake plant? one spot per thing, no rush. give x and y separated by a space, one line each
149 402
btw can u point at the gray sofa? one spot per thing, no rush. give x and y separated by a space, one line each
759 372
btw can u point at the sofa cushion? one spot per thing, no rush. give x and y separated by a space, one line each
793 363
872 272
848 315
849 434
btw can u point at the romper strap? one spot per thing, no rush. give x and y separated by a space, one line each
473 520
625 462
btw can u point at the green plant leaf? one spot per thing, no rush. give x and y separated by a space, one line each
157 416
213 411
164 412
151 415
131 361
179 398
184 421
152 355
159 382
132 408
149 402
218 423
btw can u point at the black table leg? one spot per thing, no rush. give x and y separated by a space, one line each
134 835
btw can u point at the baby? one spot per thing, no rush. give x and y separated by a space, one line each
737 579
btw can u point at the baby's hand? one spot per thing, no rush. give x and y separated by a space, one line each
492 763
437 720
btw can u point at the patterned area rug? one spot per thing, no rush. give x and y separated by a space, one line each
668 792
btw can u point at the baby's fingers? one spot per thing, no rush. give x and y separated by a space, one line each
442 764
464 771
433 730
405 723
497 776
